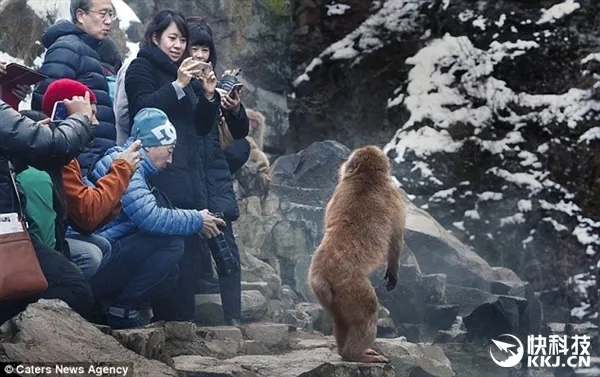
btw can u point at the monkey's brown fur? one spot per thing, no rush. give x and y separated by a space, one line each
364 226
254 177
258 124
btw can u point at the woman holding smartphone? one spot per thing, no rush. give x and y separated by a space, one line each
164 76
217 179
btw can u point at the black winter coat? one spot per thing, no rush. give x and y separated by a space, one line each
45 148
199 176
72 55
148 83
218 165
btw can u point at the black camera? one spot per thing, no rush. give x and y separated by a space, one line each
226 263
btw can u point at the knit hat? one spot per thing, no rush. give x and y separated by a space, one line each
153 128
63 89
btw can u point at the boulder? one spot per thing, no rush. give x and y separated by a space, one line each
411 359
319 318
254 306
209 310
501 315
319 362
272 335
50 331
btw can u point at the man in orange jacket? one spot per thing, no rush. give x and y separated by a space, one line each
87 207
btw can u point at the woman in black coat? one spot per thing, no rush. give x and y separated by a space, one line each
218 168
162 77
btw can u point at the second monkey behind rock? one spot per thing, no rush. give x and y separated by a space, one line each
363 227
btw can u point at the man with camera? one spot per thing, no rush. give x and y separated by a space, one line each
147 236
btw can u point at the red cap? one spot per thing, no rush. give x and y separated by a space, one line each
63 89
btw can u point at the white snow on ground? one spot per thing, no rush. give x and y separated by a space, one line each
558 11
393 17
337 9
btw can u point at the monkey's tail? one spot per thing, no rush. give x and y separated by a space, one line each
321 289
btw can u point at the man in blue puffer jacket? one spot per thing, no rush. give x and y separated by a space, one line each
72 53
147 236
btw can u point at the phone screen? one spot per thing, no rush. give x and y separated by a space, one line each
59 112
237 88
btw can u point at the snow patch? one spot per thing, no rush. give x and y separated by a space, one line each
489 195
524 205
557 226
443 194
466 15
501 21
558 11
517 218
479 22
520 179
473 214
45 9
590 57
125 14
337 9
589 135
460 225
394 16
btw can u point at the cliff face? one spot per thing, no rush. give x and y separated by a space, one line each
491 111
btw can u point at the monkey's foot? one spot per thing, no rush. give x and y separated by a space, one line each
373 359
371 352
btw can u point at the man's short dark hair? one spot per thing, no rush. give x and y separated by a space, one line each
84 5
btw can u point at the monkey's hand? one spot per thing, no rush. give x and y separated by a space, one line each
391 278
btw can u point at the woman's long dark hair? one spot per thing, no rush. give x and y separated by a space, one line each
160 22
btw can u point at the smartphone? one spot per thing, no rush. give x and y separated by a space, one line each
59 112
205 68
237 88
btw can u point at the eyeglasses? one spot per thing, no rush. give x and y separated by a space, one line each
105 13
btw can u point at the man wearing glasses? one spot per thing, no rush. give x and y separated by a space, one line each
72 54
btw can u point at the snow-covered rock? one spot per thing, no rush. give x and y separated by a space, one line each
489 113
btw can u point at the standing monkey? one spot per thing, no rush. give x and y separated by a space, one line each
254 176
364 225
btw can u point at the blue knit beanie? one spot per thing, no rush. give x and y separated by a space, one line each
153 128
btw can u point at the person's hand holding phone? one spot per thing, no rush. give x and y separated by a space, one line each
79 105
232 101
188 69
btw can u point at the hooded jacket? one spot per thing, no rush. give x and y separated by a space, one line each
72 53
144 208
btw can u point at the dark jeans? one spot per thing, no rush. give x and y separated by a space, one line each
180 305
65 282
139 266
